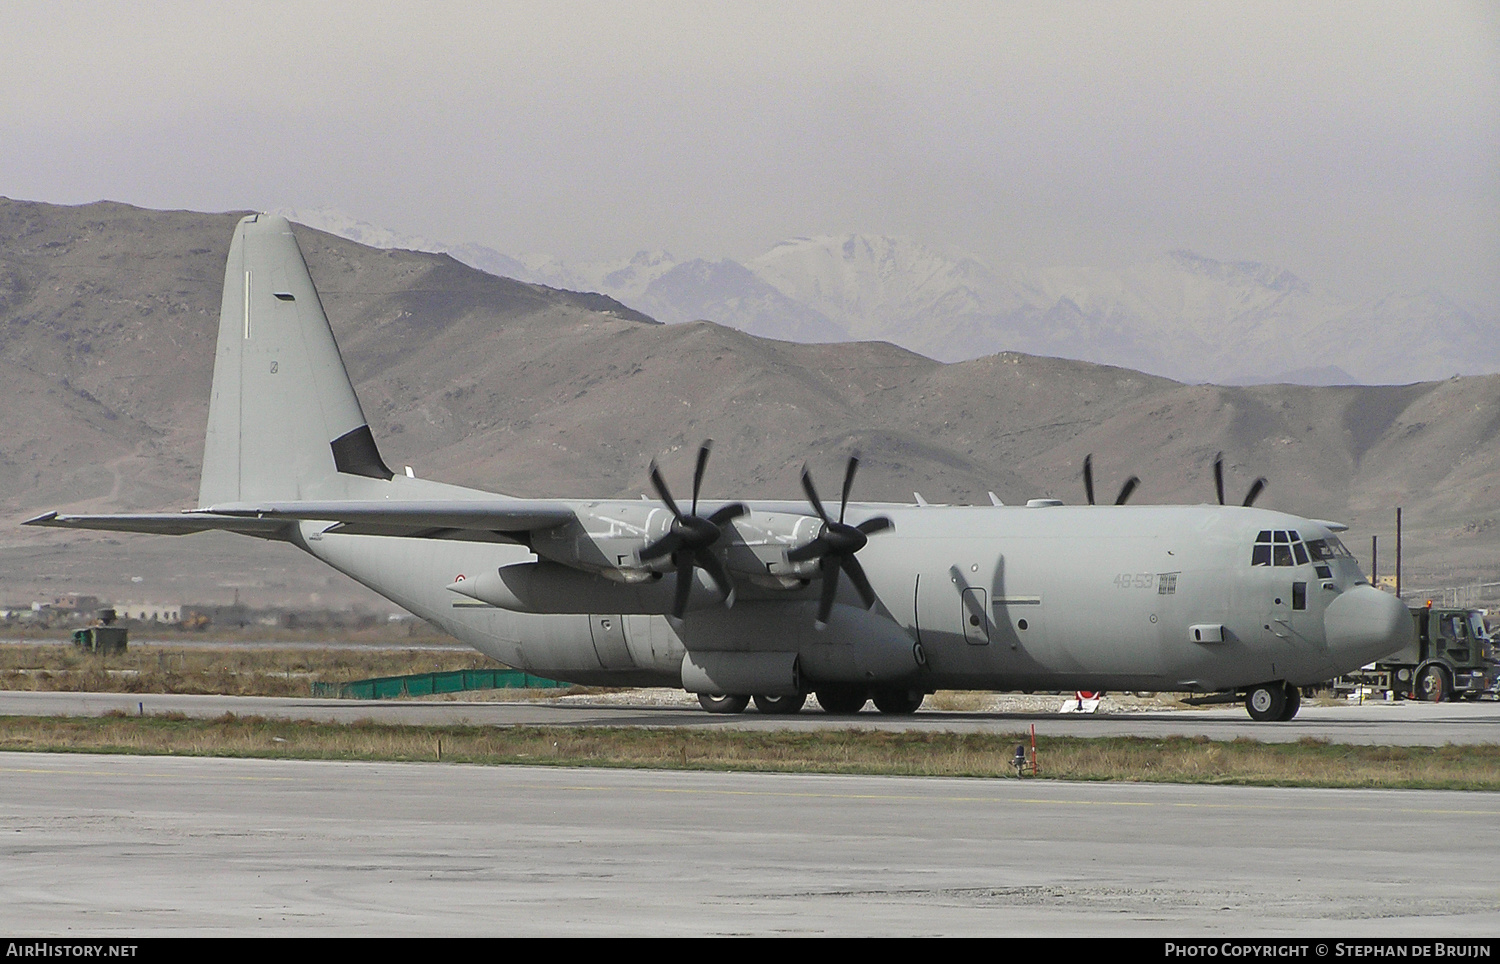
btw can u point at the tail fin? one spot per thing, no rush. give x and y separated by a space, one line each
283 421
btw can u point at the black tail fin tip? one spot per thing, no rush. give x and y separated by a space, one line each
354 453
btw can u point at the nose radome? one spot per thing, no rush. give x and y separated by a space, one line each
1364 624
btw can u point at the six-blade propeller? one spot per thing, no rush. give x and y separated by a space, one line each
692 537
835 546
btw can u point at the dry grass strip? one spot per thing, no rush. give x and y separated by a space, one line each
1311 763
228 670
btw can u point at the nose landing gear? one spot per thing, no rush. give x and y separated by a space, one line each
1273 702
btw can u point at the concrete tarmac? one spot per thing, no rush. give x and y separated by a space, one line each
140 846
1388 724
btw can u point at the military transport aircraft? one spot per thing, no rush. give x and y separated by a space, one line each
762 600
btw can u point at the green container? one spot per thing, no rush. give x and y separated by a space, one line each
426 684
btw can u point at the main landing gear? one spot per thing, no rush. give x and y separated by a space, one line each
840 700
1273 702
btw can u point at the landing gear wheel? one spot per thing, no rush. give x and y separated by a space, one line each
1433 685
1265 703
898 702
719 703
842 700
1293 703
780 705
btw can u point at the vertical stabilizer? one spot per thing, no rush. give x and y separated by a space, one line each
283 421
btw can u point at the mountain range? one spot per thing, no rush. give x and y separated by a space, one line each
108 319
1181 316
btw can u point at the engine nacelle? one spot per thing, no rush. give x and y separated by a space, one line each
758 542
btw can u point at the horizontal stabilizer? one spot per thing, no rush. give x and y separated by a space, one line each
163 523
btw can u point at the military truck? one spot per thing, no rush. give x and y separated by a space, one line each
102 636
1450 656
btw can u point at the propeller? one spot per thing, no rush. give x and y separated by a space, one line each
1088 483
692 536
836 544
1256 487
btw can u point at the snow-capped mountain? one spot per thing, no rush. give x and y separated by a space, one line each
1181 315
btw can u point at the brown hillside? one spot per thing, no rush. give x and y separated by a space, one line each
108 315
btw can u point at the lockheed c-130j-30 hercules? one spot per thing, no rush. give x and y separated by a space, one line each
761 600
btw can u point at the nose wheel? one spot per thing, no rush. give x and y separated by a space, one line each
1274 702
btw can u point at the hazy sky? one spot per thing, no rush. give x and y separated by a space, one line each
1357 144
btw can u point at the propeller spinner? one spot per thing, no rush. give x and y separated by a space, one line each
692 536
836 544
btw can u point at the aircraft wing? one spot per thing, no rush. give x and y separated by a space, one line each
162 523
477 520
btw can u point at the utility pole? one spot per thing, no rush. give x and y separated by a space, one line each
1398 552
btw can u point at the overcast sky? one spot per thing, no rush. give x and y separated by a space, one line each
1357 144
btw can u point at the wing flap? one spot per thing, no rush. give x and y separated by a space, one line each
441 520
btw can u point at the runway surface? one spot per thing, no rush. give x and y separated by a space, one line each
139 846
1391 724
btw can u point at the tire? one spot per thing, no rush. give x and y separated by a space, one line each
842 700
898 702
1293 703
719 703
1433 685
780 705
1266 702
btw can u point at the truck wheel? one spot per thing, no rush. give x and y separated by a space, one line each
1433 685
780 705
1293 703
1265 703
719 703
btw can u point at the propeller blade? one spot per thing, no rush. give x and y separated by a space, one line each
877 524
664 546
812 495
862 586
703 450
1219 476
728 513
1088 477
1256 488
830 567
812 550
848 484
684 586
660 484
1126 489
710 564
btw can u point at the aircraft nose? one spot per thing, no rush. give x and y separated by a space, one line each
1364 624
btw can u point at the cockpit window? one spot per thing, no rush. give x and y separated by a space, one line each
1323 550
1283 547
